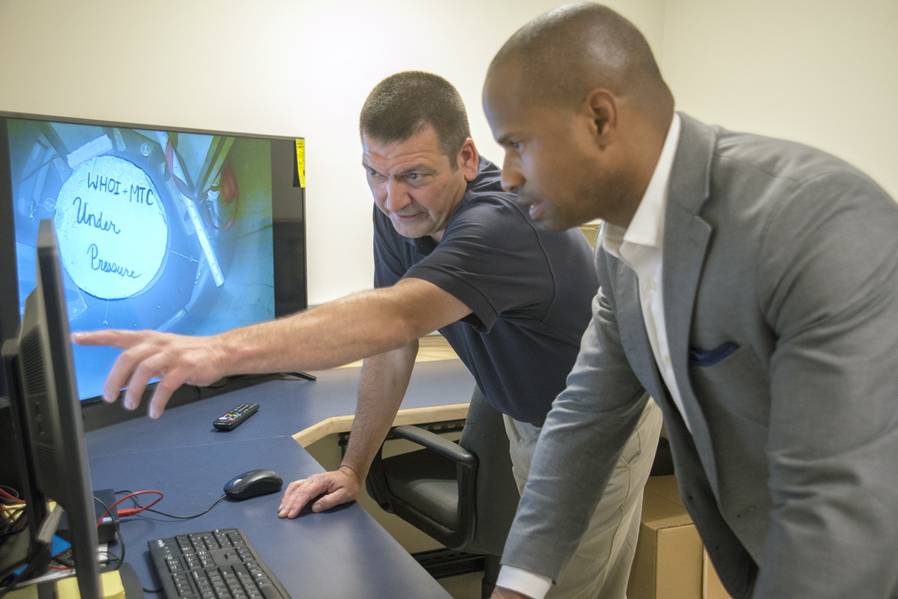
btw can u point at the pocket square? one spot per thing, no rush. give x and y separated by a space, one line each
710 357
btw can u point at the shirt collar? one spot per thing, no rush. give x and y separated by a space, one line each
647 227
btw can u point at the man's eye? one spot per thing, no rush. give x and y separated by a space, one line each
412 176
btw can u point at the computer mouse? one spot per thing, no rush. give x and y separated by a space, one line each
253 483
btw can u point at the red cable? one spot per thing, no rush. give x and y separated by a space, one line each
10 496
131 511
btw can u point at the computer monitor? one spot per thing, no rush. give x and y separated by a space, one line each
47 414
178 230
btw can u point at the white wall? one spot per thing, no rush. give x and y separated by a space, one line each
281 67
824 72
818 71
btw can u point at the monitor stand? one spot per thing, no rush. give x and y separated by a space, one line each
239 381
301 375
133 588
130 583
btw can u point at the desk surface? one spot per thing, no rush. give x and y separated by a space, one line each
342 553
287 407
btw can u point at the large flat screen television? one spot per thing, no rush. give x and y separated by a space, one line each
177 230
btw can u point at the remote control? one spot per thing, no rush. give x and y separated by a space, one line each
234 418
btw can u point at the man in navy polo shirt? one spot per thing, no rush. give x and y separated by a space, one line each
452 252
518 300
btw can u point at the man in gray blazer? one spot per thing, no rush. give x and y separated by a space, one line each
749 285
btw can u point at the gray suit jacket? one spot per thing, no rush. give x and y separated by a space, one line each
781 302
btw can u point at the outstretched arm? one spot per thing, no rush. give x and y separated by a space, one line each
335 333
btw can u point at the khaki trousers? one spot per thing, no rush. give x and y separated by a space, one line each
600 567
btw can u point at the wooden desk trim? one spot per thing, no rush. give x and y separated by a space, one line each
432 348
343 424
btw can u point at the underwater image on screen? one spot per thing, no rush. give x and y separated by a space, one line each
157 229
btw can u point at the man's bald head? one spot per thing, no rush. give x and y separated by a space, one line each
577 102
564 54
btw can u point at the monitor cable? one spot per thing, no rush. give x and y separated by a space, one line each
39 557
13 519
139 508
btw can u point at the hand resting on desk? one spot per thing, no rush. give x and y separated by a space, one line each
333 488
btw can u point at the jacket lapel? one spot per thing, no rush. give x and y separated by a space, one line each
634 338
686 237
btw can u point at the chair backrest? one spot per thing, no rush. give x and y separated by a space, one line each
497 494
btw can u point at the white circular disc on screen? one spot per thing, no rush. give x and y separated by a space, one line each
111 228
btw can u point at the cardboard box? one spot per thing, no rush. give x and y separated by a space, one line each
670 561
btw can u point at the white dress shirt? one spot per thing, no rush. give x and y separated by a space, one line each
640 247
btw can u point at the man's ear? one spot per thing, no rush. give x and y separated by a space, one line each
468 160
601 109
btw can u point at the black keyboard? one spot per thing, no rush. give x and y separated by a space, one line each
218 564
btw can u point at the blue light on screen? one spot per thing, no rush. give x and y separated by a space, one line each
160 230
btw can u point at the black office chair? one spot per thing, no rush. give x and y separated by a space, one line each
463 495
